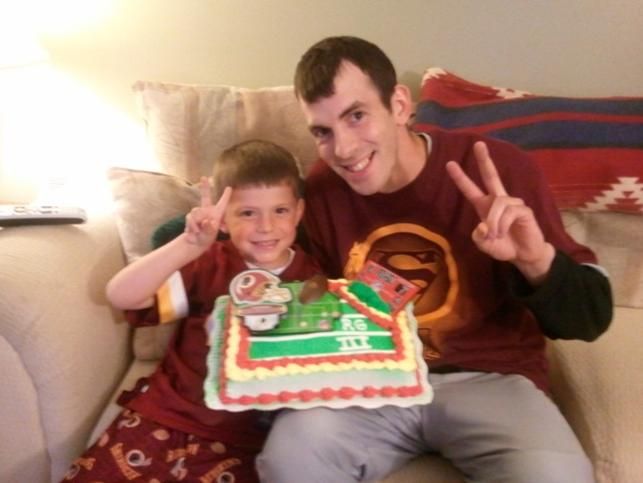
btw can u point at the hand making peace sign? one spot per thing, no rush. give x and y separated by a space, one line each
508 230
203 222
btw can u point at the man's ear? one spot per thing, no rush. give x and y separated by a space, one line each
402 106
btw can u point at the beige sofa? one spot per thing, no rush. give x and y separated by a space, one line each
65 353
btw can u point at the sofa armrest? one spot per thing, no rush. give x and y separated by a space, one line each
63 349
598 388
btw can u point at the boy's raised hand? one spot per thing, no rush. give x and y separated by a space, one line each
508 229
203 222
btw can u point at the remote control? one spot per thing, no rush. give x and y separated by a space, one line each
16 215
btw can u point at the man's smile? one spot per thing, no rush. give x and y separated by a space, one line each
360 165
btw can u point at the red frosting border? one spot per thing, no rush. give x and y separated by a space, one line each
325 394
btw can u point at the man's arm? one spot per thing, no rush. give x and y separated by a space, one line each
574 302
569 300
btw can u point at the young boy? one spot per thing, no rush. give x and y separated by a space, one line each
166 433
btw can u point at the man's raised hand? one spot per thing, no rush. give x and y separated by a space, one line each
508 230
203 222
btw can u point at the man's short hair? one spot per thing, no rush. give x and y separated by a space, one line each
316 71
256 163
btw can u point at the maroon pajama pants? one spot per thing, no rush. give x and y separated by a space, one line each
139 450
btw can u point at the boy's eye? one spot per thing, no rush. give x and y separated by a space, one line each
283 210
246 213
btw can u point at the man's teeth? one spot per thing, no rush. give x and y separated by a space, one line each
358 166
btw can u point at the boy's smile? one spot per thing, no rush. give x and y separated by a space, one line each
262 223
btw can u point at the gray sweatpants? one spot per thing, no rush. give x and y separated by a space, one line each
492 427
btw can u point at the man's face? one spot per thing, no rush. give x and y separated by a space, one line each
356 134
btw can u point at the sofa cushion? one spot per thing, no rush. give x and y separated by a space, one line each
596 386
189 125
616 240
143 200
590 150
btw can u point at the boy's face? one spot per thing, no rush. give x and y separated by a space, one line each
357 135
262 223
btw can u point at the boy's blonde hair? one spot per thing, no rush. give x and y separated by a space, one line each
256 163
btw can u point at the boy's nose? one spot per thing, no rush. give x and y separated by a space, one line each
265 223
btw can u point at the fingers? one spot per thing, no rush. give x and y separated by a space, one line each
216 212
206 192
508 229
198 227
219 208
511 234
467 187
202 222
488 171
194 221
502 213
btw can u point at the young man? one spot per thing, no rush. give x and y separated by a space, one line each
166 433
472 223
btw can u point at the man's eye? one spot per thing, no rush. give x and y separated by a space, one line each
320 133
357 115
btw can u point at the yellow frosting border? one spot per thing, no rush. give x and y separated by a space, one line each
236 373
343 288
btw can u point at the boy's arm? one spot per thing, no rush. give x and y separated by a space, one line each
134 287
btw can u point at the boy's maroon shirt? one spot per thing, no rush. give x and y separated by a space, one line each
173 395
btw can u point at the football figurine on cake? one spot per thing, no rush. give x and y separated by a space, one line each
320 342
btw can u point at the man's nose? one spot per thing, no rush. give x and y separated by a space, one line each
344 144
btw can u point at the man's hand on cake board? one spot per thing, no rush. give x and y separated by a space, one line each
202 222
508 230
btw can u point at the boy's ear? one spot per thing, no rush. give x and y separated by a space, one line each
402 104
223 227
301 206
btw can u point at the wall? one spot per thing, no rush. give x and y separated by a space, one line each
98 48
584 47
